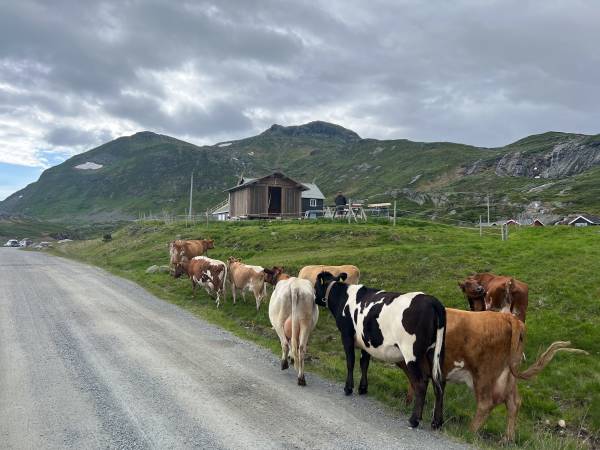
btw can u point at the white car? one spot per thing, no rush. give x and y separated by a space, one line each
12 243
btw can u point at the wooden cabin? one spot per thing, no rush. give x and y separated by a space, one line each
271 196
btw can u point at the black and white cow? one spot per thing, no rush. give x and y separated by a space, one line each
392 327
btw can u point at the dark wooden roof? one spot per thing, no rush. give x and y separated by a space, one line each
250 181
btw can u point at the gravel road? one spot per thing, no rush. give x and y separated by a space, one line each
89 360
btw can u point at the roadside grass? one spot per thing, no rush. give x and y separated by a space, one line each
559 263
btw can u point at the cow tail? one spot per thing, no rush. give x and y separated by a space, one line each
439 349
543 360
295 325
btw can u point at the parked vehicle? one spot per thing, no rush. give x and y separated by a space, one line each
12 243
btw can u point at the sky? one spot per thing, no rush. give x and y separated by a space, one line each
76 74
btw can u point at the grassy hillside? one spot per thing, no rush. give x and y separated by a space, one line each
559 263
148 172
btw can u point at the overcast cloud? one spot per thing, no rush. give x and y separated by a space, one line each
75 74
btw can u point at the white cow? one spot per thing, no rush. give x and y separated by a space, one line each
293 301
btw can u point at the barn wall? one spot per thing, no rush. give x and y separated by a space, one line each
259 195
290 206
238 203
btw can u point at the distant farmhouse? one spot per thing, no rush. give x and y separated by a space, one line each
576 220
271 196
581 220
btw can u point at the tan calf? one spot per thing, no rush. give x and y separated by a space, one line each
245 277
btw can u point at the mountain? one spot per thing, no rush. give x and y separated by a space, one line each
147 172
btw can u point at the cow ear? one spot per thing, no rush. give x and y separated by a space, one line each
320 277
461 286
342 276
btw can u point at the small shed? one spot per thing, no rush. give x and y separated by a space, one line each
312 199
537 223
272 196
512 222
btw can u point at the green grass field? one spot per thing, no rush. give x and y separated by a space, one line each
559 263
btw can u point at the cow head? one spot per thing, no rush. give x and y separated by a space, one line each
210 243
324 280
232 259
474 292
272 275
177 270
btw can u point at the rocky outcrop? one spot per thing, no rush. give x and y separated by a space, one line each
567 158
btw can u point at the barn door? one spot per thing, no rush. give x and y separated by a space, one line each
274 200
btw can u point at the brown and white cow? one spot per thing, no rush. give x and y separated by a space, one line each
484 350
310 273
207 272
487 291
184 250
246 277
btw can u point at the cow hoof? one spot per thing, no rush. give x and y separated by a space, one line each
348 391
362 390
301 382
284 364
414 423
436 424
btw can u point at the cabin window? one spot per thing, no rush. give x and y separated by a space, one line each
313 202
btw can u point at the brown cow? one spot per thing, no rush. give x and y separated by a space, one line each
310 272
180 250
487 291
484 350
207 272
245 277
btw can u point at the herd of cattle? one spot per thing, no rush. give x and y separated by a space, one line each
481 348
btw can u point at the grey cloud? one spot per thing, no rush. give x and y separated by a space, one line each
484 73
71 137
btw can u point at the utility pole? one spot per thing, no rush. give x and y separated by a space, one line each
191 194
488 209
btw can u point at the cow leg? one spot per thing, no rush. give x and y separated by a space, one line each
484 407
348 342
419 383
244 295
410 390
285 345
363 386
233 292
438 409
257 295
438 391
302 345
513 403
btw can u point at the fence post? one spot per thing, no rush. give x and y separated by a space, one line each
394 212
480 229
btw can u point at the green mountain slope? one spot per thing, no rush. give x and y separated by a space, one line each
148 172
